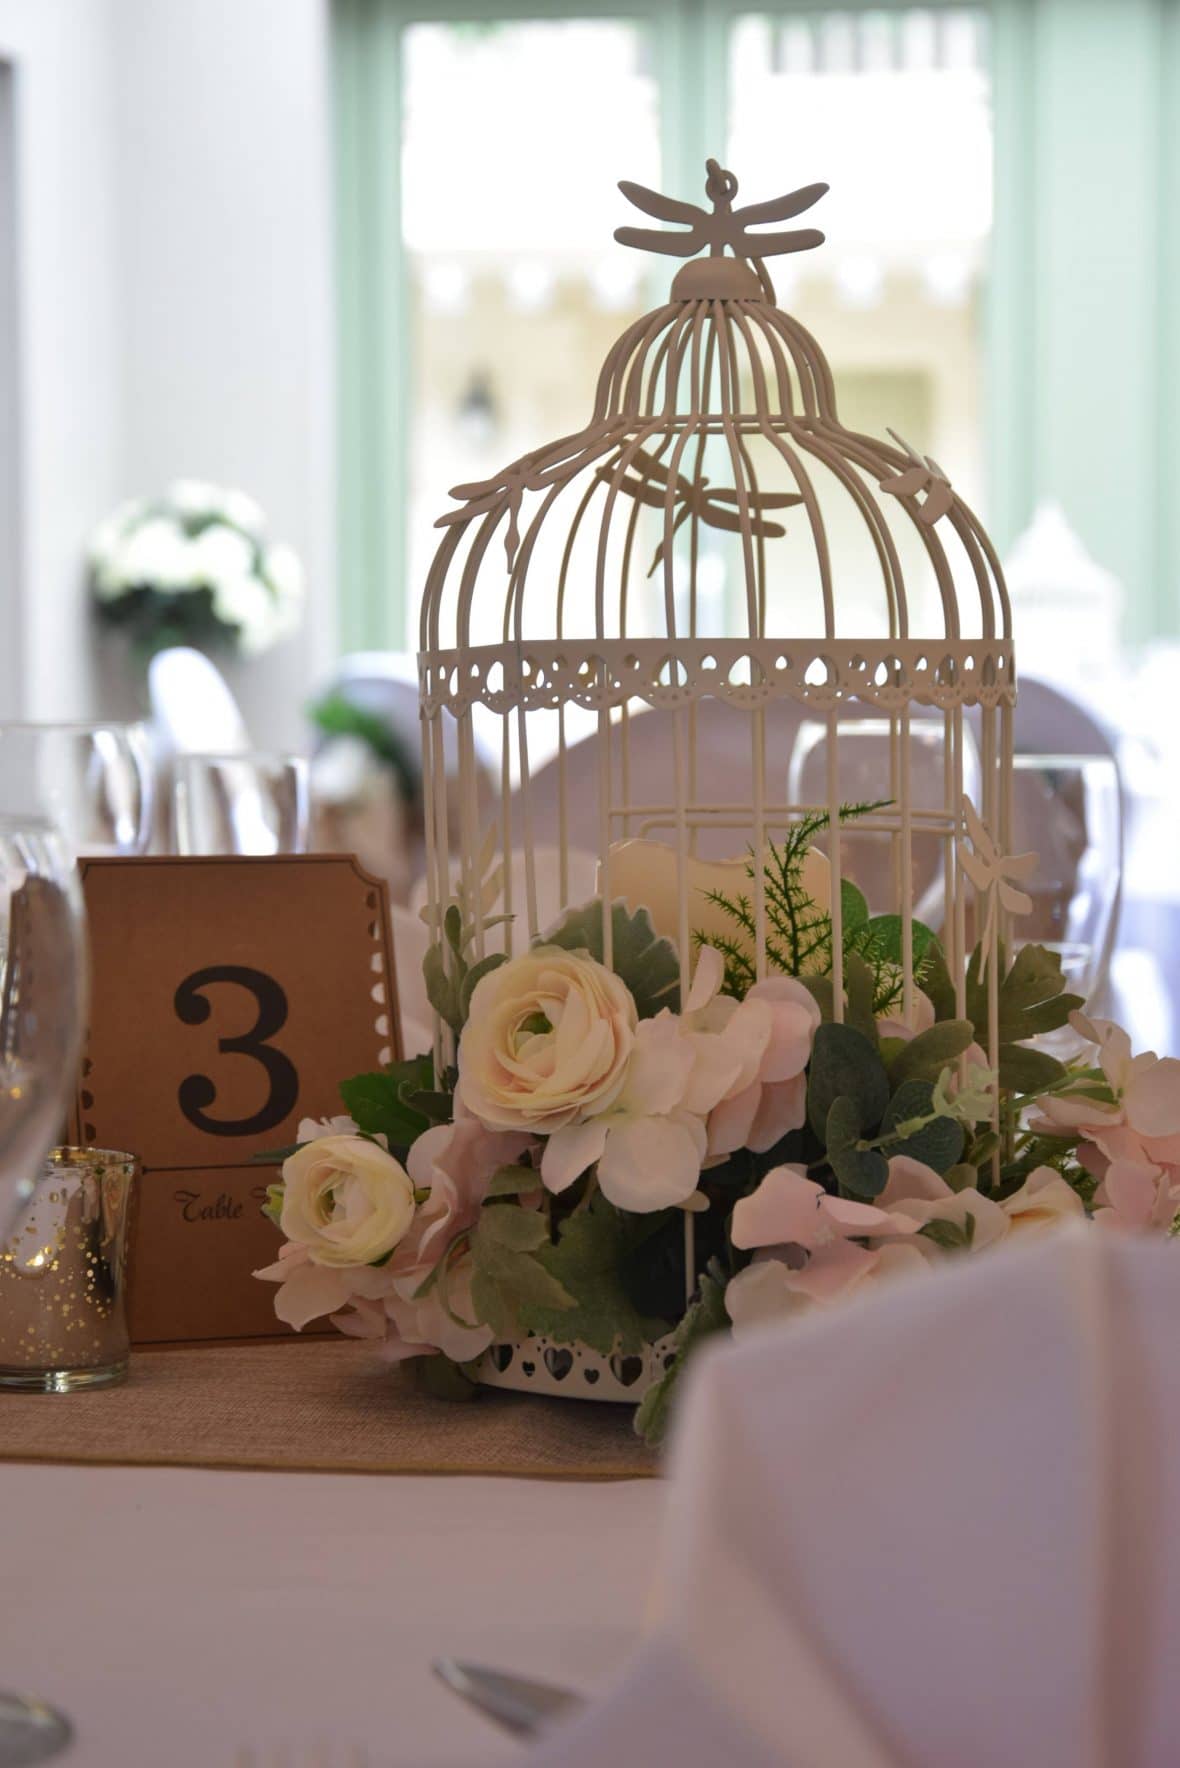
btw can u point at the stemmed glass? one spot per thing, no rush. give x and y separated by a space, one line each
95 780
248 803
42 1014
1068 810
863 766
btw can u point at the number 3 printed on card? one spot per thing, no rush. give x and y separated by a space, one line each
197 1091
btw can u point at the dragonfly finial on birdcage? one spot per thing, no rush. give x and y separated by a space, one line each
725 225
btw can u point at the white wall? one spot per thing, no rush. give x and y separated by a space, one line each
174 280
223 170
69 387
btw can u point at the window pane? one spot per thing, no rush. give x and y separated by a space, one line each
893 109
517 290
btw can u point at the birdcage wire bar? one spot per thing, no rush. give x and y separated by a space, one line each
592 547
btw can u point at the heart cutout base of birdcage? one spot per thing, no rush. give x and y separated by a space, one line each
573 1371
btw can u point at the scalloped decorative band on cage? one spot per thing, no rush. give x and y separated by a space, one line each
693 620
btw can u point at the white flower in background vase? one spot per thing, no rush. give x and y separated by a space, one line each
155 553
195 567
284 572
220 553
243 512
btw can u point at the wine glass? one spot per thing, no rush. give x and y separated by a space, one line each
1067 809
252 803
94 780
42 1014
864 747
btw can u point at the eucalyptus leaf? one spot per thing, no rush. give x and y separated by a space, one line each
821 992
926 1055
642 959
860 987
863 1171
845 1065
938 1144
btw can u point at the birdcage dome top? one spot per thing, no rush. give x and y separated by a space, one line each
714 529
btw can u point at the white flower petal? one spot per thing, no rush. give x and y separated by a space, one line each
570 1151
651 1163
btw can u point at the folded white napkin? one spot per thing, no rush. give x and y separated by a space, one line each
934 1528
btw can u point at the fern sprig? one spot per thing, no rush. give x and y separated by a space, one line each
798 933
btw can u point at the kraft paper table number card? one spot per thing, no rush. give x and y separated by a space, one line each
228 996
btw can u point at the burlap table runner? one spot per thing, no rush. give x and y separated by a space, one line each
321 1405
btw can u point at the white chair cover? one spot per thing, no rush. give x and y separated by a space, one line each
193 710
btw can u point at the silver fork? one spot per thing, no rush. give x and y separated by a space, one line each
518 1703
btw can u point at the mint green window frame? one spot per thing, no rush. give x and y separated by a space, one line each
1082 385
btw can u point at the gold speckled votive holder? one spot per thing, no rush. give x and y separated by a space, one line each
63 1316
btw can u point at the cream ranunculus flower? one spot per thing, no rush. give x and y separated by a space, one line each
346 1200
547 1042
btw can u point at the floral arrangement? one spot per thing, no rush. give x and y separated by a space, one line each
539 1185
195 567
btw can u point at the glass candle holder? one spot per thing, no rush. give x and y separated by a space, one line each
63 1317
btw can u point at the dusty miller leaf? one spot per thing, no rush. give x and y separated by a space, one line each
587 1262
506 1276
644 961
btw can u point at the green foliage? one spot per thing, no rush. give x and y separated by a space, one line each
845 1065
398 1102
937 1142
644 961
951 1236
937 985
587 1264
1032 998
799 932
507 1279
444 1379
926 1055
511 1181
863 1171
336 716
450 979
705 1317
272 1209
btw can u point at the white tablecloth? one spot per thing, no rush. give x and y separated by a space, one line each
182 1617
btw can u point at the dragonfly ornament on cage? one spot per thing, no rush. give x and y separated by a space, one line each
743 1078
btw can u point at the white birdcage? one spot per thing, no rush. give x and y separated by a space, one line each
723 577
